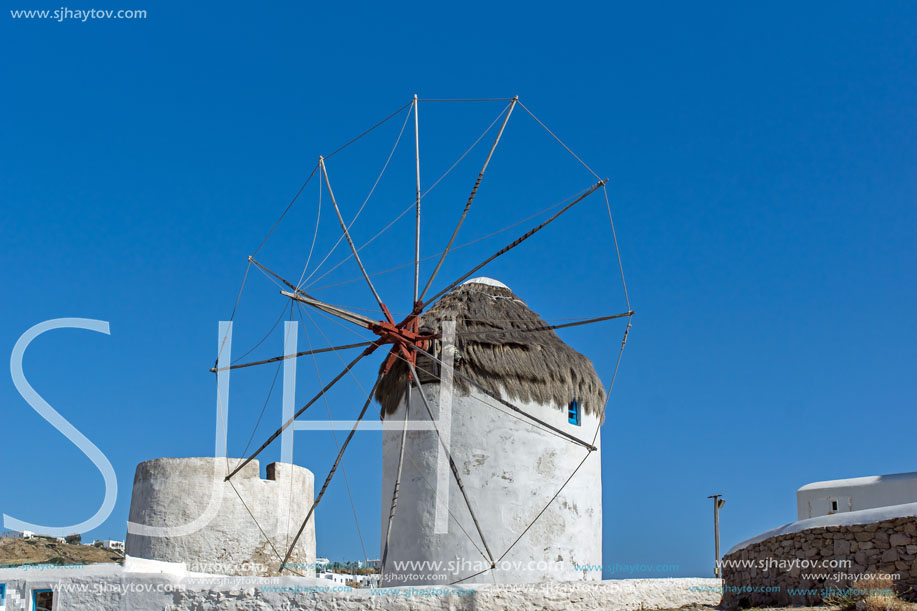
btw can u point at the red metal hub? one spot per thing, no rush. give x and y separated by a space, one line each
402 336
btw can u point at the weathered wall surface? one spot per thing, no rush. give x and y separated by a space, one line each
511 468
183 491
887 546
107 588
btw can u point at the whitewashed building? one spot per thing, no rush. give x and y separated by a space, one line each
855 494
147 584
338 578
112 544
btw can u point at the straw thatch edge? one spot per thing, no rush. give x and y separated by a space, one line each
511 362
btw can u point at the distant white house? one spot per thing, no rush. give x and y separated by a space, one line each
16 534
340 578
371 580
322 571
117 546
843 495
321 566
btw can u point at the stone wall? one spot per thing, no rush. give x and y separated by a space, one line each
770 572
209 528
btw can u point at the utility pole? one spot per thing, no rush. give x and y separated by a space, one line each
718 502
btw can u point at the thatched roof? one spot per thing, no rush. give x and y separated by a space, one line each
525 366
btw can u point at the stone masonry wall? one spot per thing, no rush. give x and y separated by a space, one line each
779 564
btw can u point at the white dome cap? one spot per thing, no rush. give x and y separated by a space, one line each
487 281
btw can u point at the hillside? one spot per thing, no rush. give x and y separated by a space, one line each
47 551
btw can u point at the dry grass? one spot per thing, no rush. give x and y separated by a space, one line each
879 595
43 551
872 593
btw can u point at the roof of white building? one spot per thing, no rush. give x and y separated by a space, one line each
847 518
858 481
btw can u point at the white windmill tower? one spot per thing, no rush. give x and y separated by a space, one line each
499 514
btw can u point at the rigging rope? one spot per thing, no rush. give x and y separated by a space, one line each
614 237
291 356
263 409
353 247
518 410
318 375
369 350
577 322
410 458
258 524
417 469
466 99
611 385
474 190
262 340
379 124
318 219
517 242
567 148
221 422
413 203
337 461
394 504
545 508
455 473
287 209
434 255
360 211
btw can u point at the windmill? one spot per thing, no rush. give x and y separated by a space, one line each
513 373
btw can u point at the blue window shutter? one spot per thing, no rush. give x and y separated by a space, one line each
573 413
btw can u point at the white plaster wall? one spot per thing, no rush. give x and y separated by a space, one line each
511 470
855 494
107 588
177 491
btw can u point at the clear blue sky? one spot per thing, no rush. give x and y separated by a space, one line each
762 176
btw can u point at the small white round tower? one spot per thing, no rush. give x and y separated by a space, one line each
186 512
510 466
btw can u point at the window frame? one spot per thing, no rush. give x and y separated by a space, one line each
34 598
574 410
